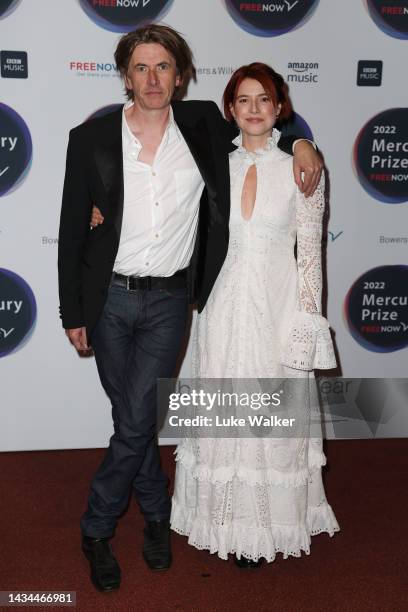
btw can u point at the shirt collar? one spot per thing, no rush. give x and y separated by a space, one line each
172 131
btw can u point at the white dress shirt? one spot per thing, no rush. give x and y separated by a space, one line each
161 204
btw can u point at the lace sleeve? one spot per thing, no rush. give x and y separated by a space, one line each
309 218
309 345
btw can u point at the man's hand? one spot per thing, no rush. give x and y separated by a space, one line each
97 217
77 337
308 161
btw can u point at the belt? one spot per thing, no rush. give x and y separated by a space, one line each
147 283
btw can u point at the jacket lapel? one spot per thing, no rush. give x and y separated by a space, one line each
109 162
196 136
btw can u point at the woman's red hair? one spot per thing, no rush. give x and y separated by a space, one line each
272 82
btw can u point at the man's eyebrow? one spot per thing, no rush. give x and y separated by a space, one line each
158 63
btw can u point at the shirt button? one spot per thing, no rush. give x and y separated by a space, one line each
157 235
156 204
153 173
147 263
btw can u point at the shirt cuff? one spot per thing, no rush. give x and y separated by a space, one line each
307 140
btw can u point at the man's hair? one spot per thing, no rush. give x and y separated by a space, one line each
272 82
170 39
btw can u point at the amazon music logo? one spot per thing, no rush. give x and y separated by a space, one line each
270 18
376 309
391 16
381 156
15 149
18 311
124 15
8 6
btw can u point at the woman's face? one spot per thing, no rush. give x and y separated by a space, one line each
253 109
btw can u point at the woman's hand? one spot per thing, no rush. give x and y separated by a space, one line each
97 217
308 161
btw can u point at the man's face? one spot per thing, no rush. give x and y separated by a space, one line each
152 76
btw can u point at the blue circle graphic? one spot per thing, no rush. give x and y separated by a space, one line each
18 312
15 149
376 309
390 17
270 18
125 15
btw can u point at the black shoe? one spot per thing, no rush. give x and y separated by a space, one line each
105 570
156 545
245 563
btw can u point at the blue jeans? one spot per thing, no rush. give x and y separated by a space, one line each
137 340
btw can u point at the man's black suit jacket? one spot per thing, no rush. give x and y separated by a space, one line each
94 175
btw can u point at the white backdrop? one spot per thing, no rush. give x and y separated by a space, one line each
51 398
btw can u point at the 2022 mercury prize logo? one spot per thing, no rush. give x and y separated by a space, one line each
124 15
18 311
271 18
376 308
15 149
391 16
7 6
381 156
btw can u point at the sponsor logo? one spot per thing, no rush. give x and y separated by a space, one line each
14 64
297 126
303 72
271 18
376 310
391 16
7 6
215 70
393 239
15 149
369 73
92 69
381 156
18 312
124 15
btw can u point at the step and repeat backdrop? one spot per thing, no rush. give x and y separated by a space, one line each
345 63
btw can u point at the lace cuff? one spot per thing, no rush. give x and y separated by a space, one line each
309 345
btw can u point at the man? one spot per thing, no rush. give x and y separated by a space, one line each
158 170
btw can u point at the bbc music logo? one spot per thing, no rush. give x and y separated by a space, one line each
375 309
125 15
369 73
7 6
391 16
15 149
270 18
381 156
14 64
18 312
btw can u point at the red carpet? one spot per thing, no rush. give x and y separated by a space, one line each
364 567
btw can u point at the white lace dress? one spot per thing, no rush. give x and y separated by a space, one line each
259 496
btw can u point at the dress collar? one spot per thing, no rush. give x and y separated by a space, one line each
271 144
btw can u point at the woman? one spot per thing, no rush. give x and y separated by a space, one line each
255 497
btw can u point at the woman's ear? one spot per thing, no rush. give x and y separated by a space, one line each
231 107
278 109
